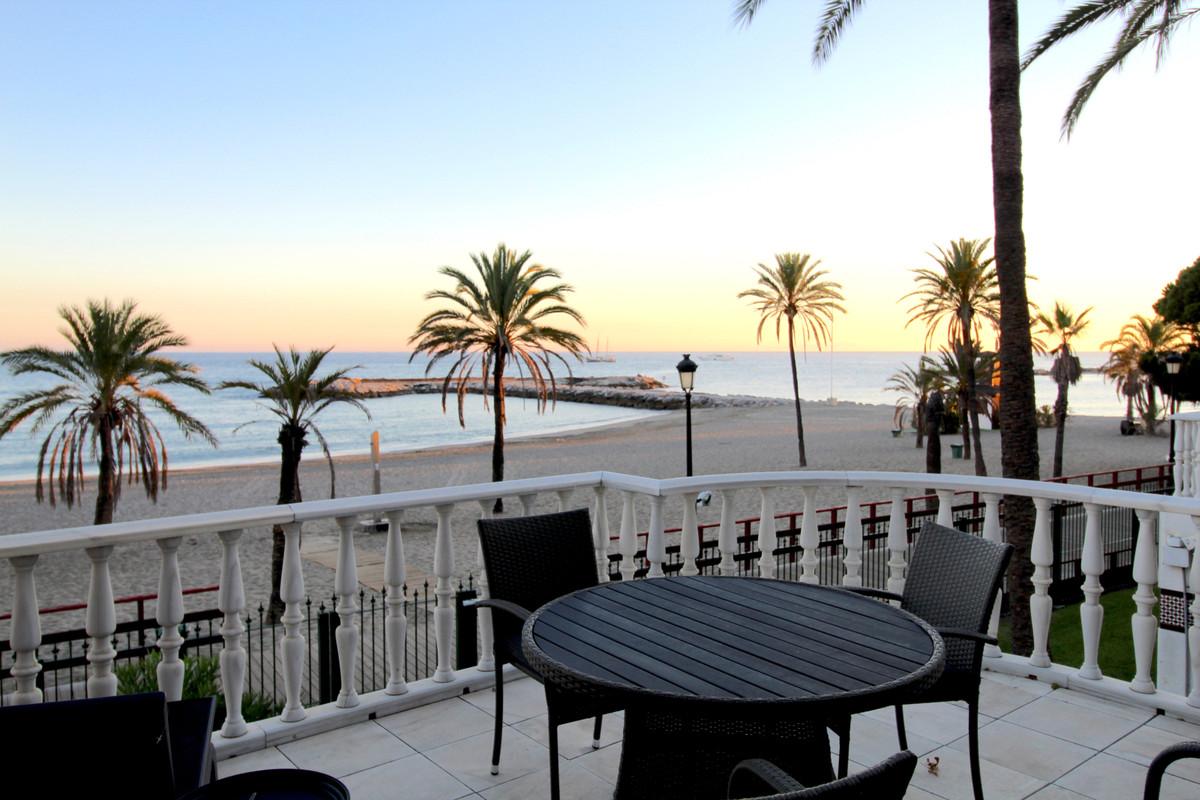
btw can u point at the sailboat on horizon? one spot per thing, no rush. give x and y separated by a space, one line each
597 357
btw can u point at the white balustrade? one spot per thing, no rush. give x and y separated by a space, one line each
656 541
528 500
767 540
169 617
852 539
627 542
487 641
232 602
1193 698
291 646
1040 604
600 534
345 584
1091 613
945 515
1143 622
443 570
809 540
991 532
897 543
689 537
727 534
396 625
101 623
26 633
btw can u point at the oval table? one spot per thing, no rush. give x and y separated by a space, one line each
712 670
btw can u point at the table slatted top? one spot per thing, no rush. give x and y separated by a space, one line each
731 639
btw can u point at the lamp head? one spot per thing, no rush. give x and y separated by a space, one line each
1174 362
687 372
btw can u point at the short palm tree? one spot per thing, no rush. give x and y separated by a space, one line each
961 294
294 396
794 289
1061 327
113 374
504 317
1144 20
1140 337
914 386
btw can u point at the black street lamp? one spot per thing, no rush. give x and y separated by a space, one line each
687 379
1174 362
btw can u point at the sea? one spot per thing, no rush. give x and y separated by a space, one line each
418 421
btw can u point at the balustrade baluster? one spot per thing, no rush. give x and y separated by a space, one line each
564 497
101 622
487 658
346 587
232 602
809 540
1091 613
291 646
627 543
991 532
897 542
656 545
169 615
527 503
1143 622
443 569
945 515
26 633
600 534
852 538
726 535
689 537
395 626
767 540
1191 440
1041 553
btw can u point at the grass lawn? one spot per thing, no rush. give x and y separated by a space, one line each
1066 636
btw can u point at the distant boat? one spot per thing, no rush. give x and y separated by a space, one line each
720 357
597 357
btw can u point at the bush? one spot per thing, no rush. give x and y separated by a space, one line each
201 678
1045 417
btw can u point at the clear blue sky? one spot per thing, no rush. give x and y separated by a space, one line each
295 172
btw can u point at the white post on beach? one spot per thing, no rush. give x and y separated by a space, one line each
897 543
232 602
396 625
346 585
291 646
101 622
169 616
809 540
991 532
1144 623
487 648
1041 553
852 540
443 615
1091 613
26 632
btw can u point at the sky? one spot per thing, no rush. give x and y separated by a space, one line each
295 172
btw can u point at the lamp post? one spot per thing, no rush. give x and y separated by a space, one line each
687 379
1174 362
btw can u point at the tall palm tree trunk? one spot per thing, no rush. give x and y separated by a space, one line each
1060 427
291 443
1019 455
920 423
106 489
796 391
964 421
498 437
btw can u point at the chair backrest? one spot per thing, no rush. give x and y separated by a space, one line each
533 560
952 582
887 780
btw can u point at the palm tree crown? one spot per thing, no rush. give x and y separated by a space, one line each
112 375
961 293
1140 337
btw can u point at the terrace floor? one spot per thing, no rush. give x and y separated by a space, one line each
1037 742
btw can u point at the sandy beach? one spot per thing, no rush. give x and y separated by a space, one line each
838 436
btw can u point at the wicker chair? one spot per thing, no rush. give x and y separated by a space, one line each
952 583
529 562
887 780
1163 760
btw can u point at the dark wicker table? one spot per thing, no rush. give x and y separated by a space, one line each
711 670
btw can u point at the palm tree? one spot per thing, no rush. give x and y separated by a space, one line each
914 386
961 294
795 288
1062 326
1144 20
1139 338
1018 443
295 395
501 318
113 374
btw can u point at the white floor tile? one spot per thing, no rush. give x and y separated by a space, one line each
1188 730
413 778
470 760
523 698
574 738
953 778
1082 724
346 750
604 763
1053 792
871 740
1145 743
436 724
1106 777
575 783
1037 754
270 758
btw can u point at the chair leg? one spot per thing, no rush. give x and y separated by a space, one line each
499 715
553 757
844 750
973 740
596 732
900 728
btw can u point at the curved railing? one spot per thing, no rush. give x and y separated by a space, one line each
628 498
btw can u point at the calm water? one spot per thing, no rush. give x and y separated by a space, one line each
412 422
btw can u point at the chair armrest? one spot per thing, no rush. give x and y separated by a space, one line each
959 633
869 592
749 778
520 612
1165 759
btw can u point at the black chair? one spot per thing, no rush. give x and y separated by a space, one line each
887 780
167 746
531 561
1163 760
273 784
951 583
